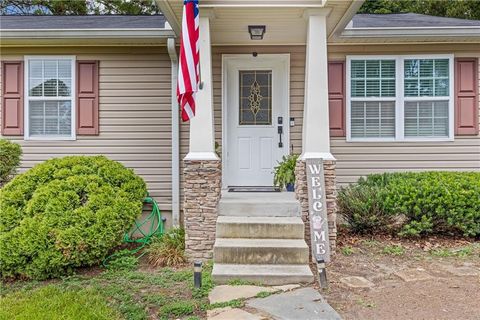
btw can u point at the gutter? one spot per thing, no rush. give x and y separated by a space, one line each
85 33
172 52
471 31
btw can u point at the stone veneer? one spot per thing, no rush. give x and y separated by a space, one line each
202 190
301 192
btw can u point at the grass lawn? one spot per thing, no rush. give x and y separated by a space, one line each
139 293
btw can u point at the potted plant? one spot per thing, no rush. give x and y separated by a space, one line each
284 173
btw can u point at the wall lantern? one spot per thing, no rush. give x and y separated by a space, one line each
256 32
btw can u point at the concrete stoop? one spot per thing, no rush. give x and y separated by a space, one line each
260 238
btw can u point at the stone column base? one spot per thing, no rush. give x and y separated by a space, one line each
202 189
301 192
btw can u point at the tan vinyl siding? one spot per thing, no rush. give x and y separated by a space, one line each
135 114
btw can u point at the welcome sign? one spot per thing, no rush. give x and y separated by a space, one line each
317 210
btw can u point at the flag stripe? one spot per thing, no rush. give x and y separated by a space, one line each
189 68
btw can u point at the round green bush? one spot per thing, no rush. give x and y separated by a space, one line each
10 154
432 202
66 213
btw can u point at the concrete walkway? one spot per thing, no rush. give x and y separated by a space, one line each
289 302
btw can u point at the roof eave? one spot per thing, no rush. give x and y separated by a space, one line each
407 34
45 37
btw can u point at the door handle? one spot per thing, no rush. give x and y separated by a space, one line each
280 132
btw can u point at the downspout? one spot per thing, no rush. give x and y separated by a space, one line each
172 52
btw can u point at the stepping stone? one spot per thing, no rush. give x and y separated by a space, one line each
237 314
463 271
305 304
357 282
227 293
411 275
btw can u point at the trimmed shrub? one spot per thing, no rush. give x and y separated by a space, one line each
10 154
430 202
66 213
362 208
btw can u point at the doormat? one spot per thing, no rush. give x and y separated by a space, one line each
253 189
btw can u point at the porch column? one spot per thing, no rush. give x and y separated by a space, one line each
316 132
316 135
202 171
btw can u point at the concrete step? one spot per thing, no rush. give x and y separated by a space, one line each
266 274
260 251
275 204
260 227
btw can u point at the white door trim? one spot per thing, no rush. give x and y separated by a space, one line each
283 58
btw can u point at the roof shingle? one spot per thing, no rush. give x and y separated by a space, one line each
400 20
82 22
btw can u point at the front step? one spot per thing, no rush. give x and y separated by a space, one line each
260 251
260 238
260 227
263 274
276 204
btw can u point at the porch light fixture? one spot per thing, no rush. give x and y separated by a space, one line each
256 32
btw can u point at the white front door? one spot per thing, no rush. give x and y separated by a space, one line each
255 110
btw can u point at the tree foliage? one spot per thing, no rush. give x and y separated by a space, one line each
77 7
464 9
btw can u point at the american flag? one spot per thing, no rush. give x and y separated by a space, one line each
189 69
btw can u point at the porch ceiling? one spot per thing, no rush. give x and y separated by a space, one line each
284 20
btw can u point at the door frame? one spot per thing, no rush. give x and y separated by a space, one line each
283 58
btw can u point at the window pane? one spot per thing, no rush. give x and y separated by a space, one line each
441 68
426 119
35 68
373 68
50 69
35 87
411 68
255 105
426 77
373 88
51 118
50 88
426 87
426 68
358 88
358 68
372 78
388 68
50 78
441 87
372 119
64 69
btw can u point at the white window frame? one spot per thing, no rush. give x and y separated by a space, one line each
27 98
400 97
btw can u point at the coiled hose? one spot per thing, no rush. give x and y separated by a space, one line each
156 228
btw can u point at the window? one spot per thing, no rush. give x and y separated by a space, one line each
372 98
426 78
255 97
399 98
49 98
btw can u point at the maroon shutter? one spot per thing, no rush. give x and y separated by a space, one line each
12 98
466 96
336 98
87 98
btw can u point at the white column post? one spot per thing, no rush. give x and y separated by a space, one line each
202 134
316 132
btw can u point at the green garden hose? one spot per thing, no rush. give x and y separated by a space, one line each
155 229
